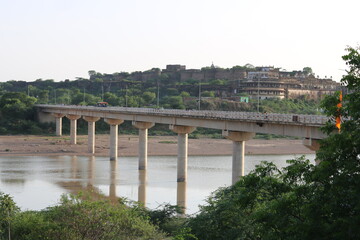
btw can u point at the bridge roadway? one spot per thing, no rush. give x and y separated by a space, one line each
236 126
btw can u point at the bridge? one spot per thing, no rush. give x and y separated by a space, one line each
236 126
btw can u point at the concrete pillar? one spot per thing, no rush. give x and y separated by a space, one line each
312 144
113 136
91 132
58 120
182 132
142 187
143 138
238 157
73 126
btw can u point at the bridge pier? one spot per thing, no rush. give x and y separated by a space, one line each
58 120
238 156
311 143
143 142
113 136
73 126
91 132
182 132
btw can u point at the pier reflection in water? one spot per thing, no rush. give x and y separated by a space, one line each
37 182
142 187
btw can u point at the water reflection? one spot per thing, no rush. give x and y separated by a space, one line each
26 178
142 187
91 170
74 167
112 185
181 196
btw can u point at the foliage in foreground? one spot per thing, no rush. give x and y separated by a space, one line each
301 201
77 218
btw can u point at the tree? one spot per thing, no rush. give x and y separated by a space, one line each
308 71
184 94
208 94
16 105
174 102
172 92
112 99
8 209
91 73
148 97
81 217
249 66
43 97
339 169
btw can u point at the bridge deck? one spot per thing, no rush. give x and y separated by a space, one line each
313 120
283 124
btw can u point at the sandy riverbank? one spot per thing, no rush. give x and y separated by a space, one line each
128 146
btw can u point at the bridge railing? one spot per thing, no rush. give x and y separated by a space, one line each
225 115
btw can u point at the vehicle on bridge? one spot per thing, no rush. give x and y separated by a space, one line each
102 104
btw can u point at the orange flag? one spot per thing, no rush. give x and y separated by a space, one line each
338 118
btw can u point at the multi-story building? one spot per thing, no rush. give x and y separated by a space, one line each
269 82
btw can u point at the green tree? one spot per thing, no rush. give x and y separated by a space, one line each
112 99
173 102
172 92
308 70
184 94
16 105
8 209
148 97
338 172
77 218
43 97
91 73
81 217
208 94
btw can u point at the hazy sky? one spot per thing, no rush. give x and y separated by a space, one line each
63 39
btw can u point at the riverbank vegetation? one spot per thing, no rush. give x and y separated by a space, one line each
76 217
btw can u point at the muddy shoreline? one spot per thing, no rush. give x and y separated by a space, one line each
22 145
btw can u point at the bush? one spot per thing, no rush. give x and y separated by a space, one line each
83 218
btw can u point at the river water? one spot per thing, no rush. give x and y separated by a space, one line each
36 182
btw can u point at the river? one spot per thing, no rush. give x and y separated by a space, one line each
36 182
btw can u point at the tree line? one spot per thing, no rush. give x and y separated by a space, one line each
17 98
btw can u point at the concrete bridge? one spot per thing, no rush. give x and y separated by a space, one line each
236 126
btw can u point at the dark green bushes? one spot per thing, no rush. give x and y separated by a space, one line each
76 218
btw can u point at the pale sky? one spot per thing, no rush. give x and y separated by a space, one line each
64 39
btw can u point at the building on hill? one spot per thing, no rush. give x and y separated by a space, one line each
268 82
